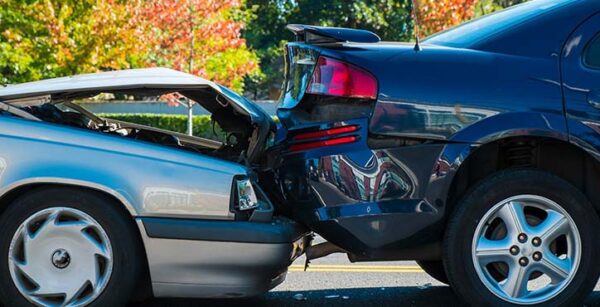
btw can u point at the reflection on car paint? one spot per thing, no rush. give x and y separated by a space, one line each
342 180
432 121
163 200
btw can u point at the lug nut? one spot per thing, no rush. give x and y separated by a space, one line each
537 256
514 250
522 238
523 261
536 241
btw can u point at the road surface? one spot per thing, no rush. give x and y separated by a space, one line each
334 281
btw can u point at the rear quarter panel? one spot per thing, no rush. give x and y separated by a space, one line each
438 92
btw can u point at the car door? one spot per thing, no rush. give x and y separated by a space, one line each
581 83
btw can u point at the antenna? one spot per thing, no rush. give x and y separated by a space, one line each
416 24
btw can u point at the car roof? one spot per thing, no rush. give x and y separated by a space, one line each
529 20
111 80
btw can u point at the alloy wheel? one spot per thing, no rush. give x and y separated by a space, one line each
526 249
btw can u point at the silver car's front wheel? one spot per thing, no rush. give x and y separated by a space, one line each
60 256
526 249
63 246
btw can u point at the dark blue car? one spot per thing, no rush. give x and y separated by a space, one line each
475 152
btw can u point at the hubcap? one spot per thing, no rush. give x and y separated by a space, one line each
526 249
60 257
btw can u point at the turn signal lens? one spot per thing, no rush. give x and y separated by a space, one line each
337 78
246 196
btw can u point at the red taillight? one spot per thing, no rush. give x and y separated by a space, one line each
324 133
337 78
331 132
331 142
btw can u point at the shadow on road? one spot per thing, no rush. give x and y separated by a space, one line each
396 296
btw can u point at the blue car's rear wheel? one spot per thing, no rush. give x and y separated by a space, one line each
523 237
67 247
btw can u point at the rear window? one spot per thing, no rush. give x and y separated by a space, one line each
470 33
592 53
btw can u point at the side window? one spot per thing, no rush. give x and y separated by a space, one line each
592 53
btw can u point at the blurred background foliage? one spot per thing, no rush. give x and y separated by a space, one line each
237 43
203 126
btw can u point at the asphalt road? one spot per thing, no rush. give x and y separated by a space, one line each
334 281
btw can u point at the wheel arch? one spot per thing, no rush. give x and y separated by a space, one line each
11 193
14 190
554 155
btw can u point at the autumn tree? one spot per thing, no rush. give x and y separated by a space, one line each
267 34
202 37
437 15
49 38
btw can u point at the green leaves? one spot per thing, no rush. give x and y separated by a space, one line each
267 34
202 37
51 38
178 123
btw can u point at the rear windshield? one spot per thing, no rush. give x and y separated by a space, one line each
469 33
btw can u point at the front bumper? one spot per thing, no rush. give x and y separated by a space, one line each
210 259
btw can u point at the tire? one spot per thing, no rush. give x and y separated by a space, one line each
475 264
80 217
434 269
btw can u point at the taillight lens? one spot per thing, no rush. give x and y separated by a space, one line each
325 143
324 133
334 136
336 78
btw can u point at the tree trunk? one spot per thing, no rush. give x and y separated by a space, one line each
190 128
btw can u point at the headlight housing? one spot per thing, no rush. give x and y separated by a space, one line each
246 196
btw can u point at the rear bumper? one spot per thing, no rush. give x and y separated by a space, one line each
199 258
371 202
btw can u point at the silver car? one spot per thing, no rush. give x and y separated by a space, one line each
95 210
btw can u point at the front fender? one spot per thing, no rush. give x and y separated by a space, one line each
150 180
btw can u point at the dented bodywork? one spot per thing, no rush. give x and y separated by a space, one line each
186 194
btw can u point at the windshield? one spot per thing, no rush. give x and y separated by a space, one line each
468 34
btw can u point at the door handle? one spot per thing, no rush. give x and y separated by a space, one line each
594 99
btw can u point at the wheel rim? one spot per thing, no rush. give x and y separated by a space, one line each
60 257
533 257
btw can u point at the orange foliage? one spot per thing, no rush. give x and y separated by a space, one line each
198 36
437 15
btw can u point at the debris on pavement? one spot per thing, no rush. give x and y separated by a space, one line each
299 297
425 286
